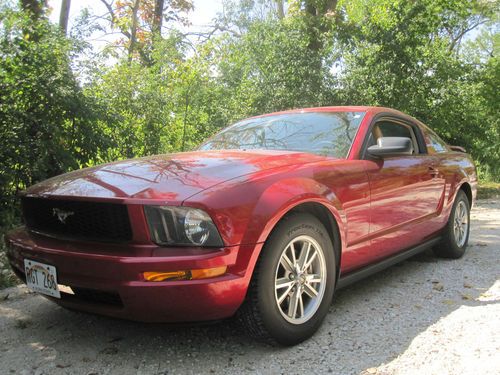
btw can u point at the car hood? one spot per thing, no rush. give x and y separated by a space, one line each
171 177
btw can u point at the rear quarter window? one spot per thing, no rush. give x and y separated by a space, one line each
435 145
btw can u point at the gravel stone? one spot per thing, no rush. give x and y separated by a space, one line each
423 316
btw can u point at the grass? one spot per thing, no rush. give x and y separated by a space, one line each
486 190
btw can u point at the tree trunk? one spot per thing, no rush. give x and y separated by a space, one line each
280 8
133 30
64 15
317 11
158 17
35 8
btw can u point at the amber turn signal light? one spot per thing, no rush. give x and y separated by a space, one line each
162 276
203 273
206 273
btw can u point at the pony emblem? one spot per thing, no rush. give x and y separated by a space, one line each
61 214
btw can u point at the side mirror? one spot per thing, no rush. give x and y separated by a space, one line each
391 146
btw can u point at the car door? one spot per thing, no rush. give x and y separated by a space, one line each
404 192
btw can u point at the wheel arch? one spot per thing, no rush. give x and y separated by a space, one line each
324 215
467 189
327 212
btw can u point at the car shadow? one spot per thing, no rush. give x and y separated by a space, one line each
370 323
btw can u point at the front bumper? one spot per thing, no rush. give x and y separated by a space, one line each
107 279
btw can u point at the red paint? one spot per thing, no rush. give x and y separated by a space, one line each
380 207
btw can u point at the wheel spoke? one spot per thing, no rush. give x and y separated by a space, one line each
464 219
313 279
284 282
294 303
286 263
294 257
304 254
285 294
311 259
310 291
301 306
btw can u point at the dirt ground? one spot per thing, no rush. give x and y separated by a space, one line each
424 316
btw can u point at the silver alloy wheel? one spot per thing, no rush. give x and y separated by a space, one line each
300 279
461 223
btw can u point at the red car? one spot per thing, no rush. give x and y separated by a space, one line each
265 220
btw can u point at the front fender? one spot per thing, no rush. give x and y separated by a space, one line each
281 197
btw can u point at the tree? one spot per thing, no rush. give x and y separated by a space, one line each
64 15
34 8
47 125
406 57
140 20
280 8
158 16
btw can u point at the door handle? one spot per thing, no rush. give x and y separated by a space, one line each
433 171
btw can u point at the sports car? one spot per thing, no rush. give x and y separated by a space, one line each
264 221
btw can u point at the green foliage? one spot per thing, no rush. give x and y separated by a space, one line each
46 123
272 68
61 108
159 108
411 64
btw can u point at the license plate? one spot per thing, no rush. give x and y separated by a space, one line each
41 278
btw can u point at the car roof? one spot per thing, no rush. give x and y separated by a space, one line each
353 108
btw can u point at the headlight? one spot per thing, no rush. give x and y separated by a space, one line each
181 226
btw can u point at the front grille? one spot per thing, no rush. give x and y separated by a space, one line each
90 221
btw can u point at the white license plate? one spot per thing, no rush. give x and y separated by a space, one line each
41 278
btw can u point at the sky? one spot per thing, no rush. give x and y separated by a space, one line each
204 10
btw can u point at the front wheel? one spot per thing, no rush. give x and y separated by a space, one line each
293 283
456 233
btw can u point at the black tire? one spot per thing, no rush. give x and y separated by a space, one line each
451 246
261 313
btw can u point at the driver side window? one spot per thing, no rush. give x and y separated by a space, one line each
392 129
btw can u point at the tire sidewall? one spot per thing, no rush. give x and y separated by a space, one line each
283 331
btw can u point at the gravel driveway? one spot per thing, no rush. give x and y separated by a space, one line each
424 316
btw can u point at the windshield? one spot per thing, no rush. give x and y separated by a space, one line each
323 133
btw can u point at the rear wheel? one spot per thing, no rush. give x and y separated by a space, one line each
456 234
293 283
